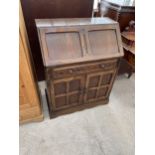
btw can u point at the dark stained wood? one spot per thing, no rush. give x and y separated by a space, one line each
80 67
121 13
80 107
105 31
97 86
128 38
34 9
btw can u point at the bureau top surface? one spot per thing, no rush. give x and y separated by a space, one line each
75 40
73 21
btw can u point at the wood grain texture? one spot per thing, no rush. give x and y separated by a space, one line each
80 107
122 14
100 40
69 45
81 58
103 41
29 101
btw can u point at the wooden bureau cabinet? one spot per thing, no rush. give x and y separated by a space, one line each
81 58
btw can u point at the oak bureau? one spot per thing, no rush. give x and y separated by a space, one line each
81 58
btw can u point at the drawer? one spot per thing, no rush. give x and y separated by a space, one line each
60 72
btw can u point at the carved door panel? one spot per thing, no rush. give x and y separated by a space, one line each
98 86
67 92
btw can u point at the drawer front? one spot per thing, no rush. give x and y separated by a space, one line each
61 72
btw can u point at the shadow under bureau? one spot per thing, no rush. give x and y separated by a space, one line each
81 58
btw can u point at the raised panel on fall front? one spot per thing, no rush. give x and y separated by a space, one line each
103 42
63 45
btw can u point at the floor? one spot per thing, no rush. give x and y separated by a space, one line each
103 130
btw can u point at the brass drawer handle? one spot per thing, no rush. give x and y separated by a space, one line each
70 71
102 66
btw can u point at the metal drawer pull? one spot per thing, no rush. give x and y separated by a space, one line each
102 65
70 71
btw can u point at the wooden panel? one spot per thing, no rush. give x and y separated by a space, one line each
74 85
67 92
72 109
103 42
74 98
94 81
60 101
91 94
63 45
79 90
78 42
23 96
28 96
102 92
98 85
60 88
106 79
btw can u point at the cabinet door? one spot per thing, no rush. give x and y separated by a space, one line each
98 86
67 92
